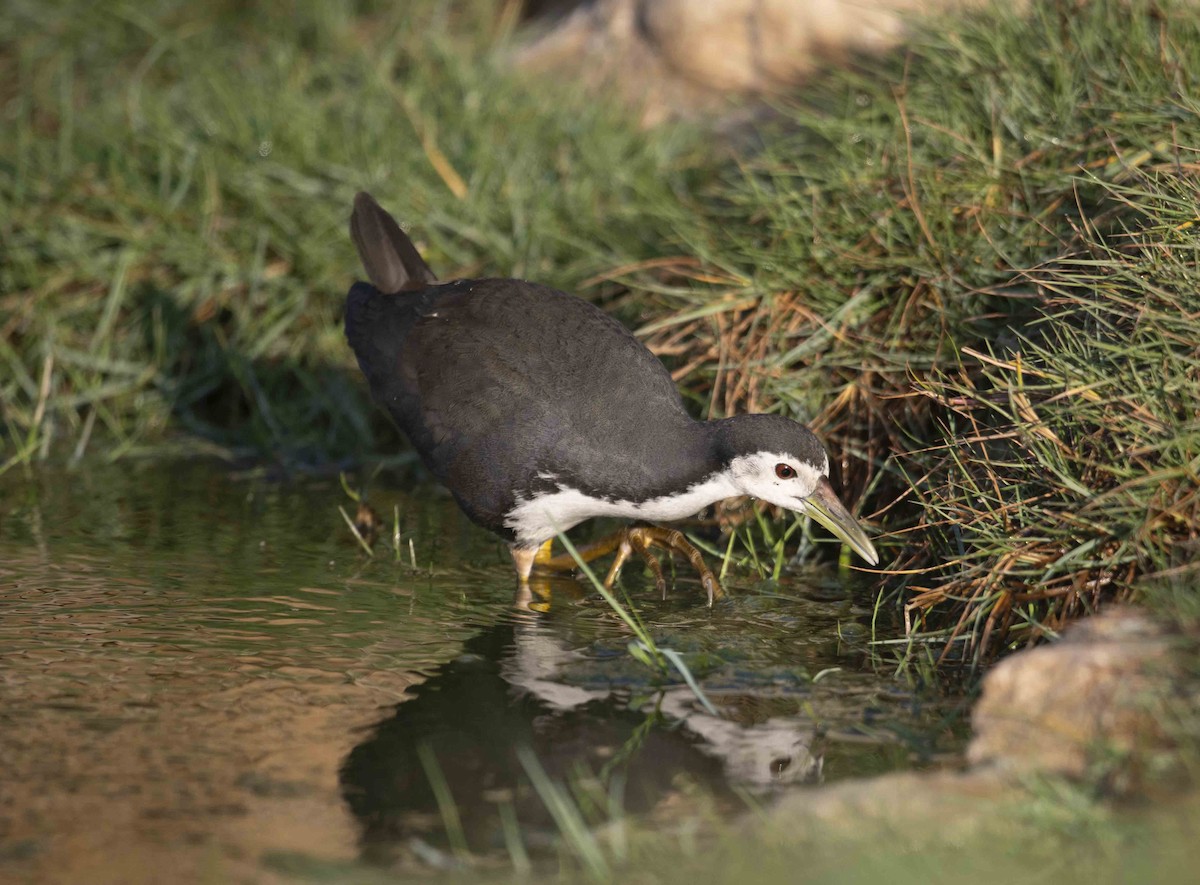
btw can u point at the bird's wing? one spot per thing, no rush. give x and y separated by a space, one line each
518 382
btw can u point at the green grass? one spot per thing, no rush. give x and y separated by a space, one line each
970 265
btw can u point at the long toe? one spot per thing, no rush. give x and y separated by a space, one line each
709 581
624 549
674 540
642 544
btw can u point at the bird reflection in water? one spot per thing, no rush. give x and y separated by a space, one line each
624 747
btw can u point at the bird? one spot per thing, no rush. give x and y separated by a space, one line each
538 411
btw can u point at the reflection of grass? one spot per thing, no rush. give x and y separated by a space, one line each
580 809
997 835
445 802
577 835
971 266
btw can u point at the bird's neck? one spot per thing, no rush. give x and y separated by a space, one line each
681 458
724 437
705 448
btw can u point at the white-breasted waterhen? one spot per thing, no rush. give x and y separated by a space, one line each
537 410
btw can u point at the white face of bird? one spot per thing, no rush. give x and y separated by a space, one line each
778 479
803 486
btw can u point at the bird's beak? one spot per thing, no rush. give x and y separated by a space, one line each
823 506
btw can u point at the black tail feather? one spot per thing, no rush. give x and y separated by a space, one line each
392 262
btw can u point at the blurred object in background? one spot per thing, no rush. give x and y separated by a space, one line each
680 57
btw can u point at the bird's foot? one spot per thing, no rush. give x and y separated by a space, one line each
642 538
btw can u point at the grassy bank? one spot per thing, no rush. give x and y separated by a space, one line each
974 269
175 188
972 266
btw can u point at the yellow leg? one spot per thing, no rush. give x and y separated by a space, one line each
565 562
635 539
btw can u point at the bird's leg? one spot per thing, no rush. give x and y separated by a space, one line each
619 541
523 560
639 539
565 562
534 591
526 559
642 546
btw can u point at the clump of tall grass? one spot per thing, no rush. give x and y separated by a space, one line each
1070 460
973 269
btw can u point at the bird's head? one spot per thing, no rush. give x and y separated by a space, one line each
782 462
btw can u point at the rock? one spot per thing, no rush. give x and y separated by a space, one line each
922 809
1060 708
1100 695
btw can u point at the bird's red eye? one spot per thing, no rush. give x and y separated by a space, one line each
785 471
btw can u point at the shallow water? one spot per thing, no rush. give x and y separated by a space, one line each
201 673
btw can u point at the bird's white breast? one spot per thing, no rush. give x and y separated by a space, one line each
545 515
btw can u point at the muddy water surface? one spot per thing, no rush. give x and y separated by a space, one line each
203 678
